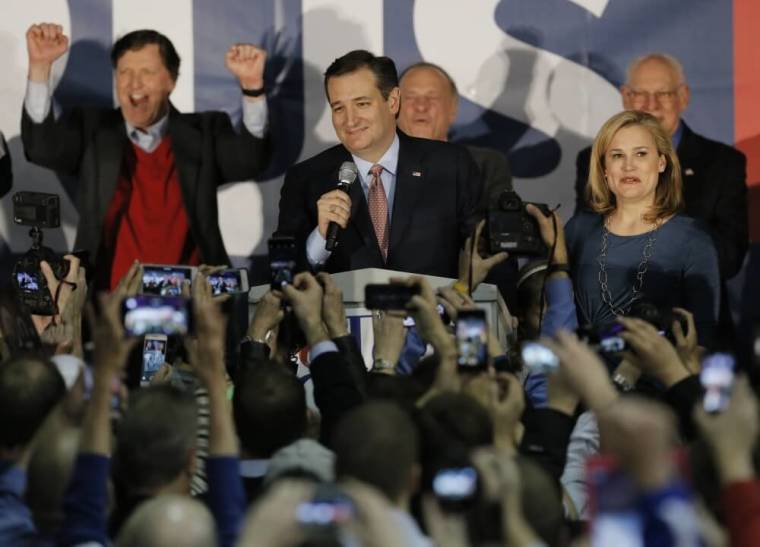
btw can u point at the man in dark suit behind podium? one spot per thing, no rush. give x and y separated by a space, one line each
413 203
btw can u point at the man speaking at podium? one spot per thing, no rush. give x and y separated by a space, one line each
413 202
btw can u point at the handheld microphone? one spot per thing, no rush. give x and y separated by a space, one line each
346 176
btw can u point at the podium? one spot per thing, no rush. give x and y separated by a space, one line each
359 318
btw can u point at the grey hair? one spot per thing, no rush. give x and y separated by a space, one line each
672 63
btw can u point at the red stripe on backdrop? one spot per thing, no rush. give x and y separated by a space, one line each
747 99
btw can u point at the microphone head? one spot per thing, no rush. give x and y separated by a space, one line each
348 172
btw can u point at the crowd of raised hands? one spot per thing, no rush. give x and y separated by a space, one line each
408 449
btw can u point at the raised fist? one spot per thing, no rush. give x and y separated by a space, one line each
45 43
246 62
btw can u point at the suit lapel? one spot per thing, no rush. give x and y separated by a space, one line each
111 140
410 181
186 145
688 155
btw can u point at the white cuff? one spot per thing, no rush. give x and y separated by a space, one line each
37 100
316 253
255 114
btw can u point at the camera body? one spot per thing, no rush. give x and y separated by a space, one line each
512 229
37 210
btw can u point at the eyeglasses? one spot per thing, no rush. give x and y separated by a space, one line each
661 97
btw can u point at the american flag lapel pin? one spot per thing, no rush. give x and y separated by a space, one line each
688 171
416 173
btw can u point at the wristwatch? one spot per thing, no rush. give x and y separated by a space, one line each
253 92
383 365
622 383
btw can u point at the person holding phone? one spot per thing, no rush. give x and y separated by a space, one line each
148 174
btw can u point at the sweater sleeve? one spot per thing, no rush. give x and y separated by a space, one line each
701 279
741 507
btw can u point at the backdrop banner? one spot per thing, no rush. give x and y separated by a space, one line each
537 79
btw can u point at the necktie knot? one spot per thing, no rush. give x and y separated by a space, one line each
376 171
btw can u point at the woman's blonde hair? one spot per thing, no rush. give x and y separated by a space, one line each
668 196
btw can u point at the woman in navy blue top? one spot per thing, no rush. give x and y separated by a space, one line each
635 245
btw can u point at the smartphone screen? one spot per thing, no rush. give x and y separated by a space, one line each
537 358
165 280
229 282
145 314
717 379
154 356
472 341
282 261
456 487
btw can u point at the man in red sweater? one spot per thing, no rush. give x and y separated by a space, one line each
148 174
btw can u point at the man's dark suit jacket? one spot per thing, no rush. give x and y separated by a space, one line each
495 172
89 143
6 172
437 192
715 190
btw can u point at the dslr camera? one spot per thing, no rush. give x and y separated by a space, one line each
512 229
39 211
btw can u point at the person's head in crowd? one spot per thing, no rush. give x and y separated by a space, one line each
269 407
30 388
429 101
634 144
48 476
362 90
377 443
403 390
530 283
461 417
541 500
156 442
656 84
304 459
173 520
146 67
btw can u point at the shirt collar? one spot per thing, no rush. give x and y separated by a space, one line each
676 138
389 161
153 132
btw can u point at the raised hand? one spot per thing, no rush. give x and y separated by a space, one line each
45 42
582 371
333 310
305 295
480 266
547 229
733 433
246 62
654 354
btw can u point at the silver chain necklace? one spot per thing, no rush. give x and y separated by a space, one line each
641 270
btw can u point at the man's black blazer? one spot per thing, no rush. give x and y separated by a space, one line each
437 191
6 171
89 144
715 190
